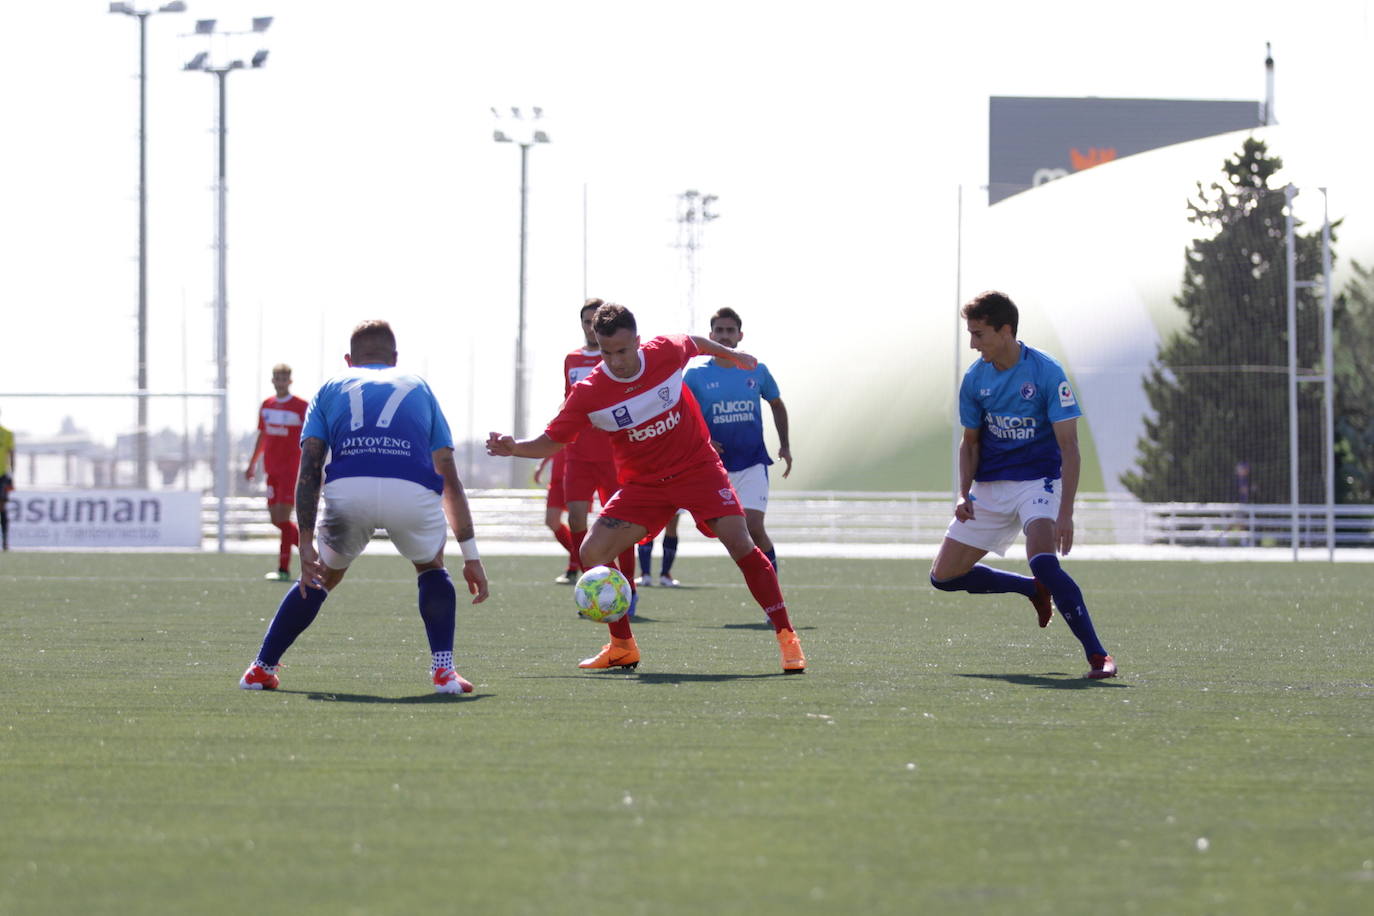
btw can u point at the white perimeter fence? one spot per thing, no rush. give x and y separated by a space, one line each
915 518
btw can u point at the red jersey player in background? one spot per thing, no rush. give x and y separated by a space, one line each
588 467
664 461
554 506
280 419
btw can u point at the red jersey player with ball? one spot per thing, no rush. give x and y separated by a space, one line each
664 461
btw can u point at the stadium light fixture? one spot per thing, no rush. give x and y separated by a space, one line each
141 430
221 71
525 131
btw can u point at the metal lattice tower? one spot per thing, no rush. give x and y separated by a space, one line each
693 213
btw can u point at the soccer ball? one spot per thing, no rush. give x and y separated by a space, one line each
602 594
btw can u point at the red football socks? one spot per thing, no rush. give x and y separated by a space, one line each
762 580
290 537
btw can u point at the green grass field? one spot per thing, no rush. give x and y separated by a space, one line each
942 754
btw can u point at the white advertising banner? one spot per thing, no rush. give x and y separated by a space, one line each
104 518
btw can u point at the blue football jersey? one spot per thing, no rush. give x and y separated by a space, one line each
1015 410
379 421
731 400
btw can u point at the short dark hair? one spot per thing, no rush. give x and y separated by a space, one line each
729 314
994 309
611 318
592 304
372 336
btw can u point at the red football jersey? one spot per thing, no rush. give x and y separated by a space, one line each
591 444
655 427
280 423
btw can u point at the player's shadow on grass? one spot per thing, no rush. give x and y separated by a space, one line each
1050 680
672 677
657 677
424 698
760 625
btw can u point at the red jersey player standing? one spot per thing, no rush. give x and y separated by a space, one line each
588 467
664 461
554 507
280 419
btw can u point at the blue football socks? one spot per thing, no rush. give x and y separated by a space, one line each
438 608
984 580
646 557
1069 599
669 554
294 614
772 556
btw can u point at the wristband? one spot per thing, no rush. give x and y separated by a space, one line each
469 549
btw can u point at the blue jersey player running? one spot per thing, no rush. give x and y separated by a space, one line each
391 466
1018 471
731 400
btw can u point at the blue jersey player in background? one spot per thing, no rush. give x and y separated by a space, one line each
1018 471
390 466
731 400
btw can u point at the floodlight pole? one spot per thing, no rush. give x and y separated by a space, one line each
1290 192
141 430
221 73
221 309
526 139
1328 380
520 394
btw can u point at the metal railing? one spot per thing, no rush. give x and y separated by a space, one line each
858 517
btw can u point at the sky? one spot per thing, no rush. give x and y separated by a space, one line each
363 180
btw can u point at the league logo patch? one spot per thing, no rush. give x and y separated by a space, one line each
1028 390
1066 395
665 394
727 495
622 416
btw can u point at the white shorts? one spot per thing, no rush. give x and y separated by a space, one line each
1002 509
751 486
355 507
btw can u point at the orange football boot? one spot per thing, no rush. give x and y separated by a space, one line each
793 660
618 653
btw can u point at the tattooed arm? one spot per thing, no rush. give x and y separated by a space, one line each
309 480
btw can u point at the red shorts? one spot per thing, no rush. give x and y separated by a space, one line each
281 489
582 479
705 492
555 499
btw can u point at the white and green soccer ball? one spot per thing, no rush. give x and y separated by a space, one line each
602 594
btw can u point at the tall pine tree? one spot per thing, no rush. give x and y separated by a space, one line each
1218 388
1354 319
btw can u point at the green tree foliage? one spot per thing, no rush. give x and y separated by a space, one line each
1354 319
1218 388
